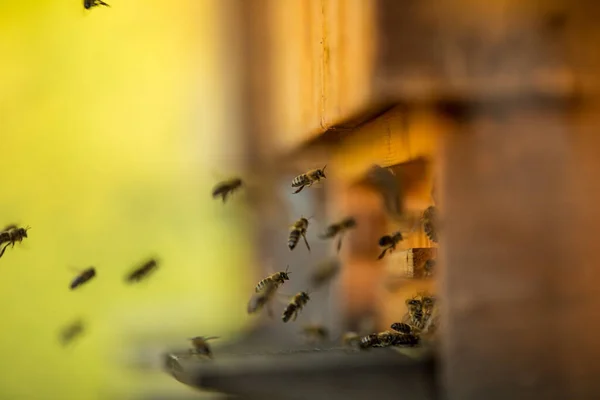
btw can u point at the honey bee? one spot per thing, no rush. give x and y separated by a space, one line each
200 346
340 229
87 4
387 339
263 297
350 339
324 273
12 234
278 278
225 188
307 179
142 271
415 314
430 222
85 275
72 331
429 267
389 242
315 333
298 229
404 328
295 306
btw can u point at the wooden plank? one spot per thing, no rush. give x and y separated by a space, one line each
518 313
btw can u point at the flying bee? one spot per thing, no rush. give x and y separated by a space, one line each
430 222
263 297
325 272
429 267
308 178
389 242
298 229
83 277
404 328
12 234
87 4
315 333
226 188
340 229
200 346
278 278
69 333
295 306
142 271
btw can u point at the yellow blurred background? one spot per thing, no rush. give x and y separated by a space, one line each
113 121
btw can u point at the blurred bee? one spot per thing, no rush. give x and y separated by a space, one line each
307 179
388 338
85 275
429 267
404 328
351 339
430 220
201 347
340 229
72 331
389 242
225 188
298 229
295 306
12 234
325 272
142 272
315 333
415 314
278 278
262 298
87 4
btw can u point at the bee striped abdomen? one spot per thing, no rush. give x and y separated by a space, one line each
263 284
300 180
401 327
293 238
295 306
405 340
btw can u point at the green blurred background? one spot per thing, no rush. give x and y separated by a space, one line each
112 123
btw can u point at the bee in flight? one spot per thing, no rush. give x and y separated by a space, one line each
83 277
278 278
325 272
389 242
308 178
263 297
430 222
226 188
315 333
295 306
298 229
340 229
87 4
10 235
200 346
72 331
142 271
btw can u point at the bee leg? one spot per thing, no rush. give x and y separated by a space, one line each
298 191
339 244
305 241
382 254
3 249
102 3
